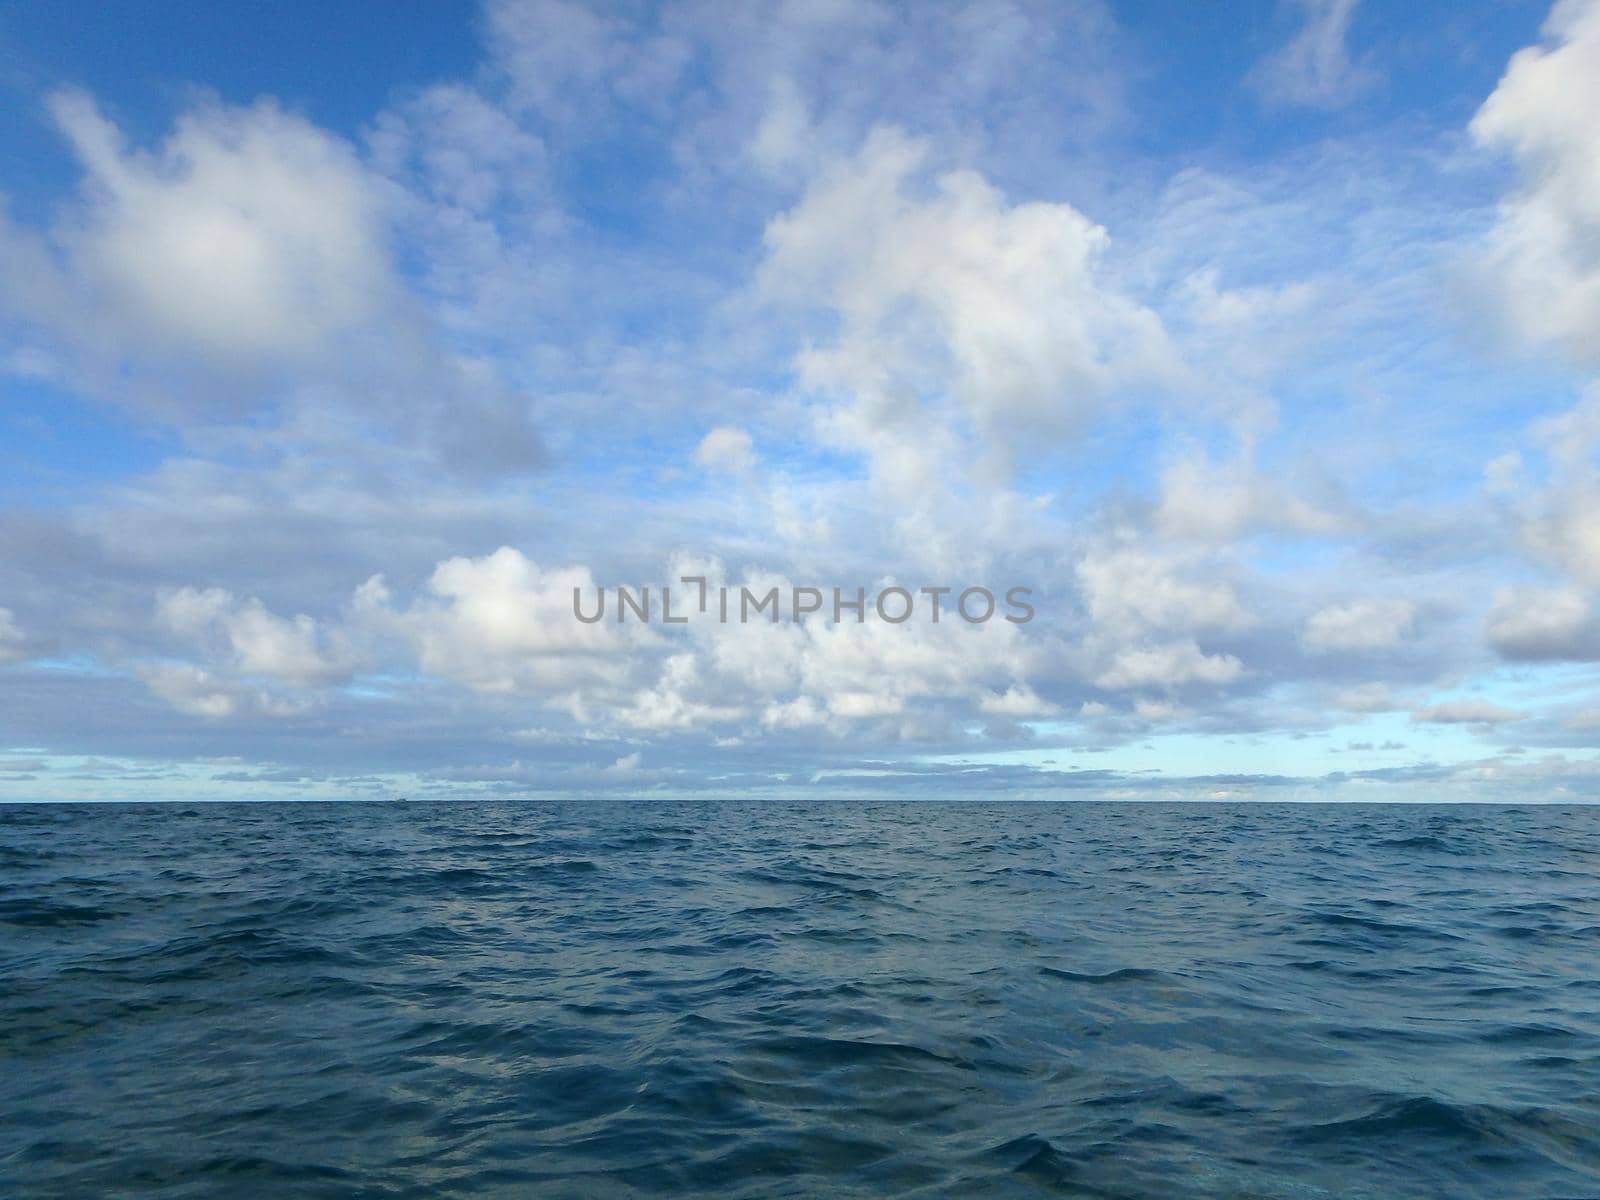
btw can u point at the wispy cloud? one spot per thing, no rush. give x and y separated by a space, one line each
1315 67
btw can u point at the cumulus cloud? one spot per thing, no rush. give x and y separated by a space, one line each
503 623
1536 623
1155 711
1372 623
1556 515
1019 700
1144 605
1130 589
1543 249
198 692
682 697
249 238
904 678
1168 665
1219 502
241 267
253 641
961 319
1560 521
191 689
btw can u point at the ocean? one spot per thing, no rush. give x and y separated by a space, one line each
766 999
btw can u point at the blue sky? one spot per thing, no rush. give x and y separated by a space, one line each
338 346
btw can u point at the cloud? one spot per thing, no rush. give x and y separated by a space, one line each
1019 700
1314 69
1544 624
856 237
818 674
197 692
777 86
249 238
563 57
253 641
725 449
502 623
1144 604
1561 523
11 640
242 269
1168 665
961 320
190 689
1210 501
1155 710
1368 698
682 697
1131 589
458 149
1542 250
1368 624
1466 712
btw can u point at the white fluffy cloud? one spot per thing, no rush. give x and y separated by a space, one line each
250 640
1019 700
191 689
1131 589
249 238
962 320
198 692
1144 605
903 680
241 267
1543 248
1168 665
502 623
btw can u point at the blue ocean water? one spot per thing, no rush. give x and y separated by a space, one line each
833 999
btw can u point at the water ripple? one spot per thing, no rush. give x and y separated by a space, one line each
746 999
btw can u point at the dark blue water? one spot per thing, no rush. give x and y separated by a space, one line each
748 999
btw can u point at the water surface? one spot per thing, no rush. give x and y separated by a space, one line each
757 999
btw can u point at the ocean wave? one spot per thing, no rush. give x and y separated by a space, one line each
851 1000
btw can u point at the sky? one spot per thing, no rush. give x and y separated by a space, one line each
1258 342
